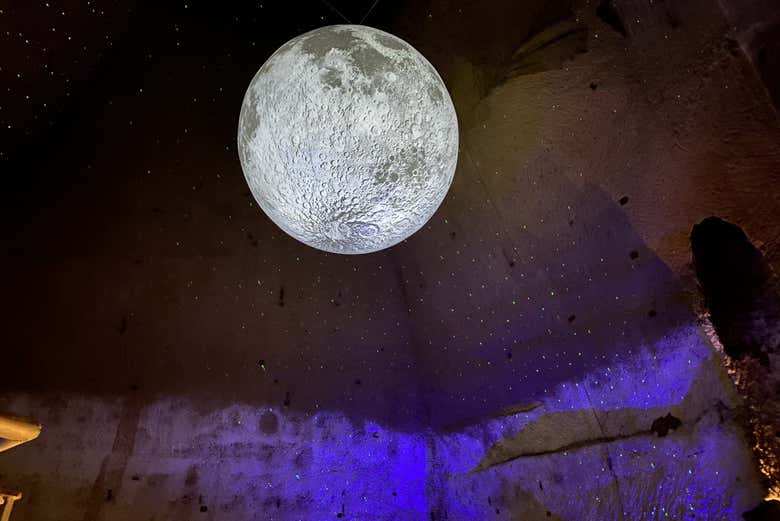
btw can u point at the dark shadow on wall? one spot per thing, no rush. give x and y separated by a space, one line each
742 295
735 280
767 511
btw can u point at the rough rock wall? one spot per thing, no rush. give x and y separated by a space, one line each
531 351
756 25
644 439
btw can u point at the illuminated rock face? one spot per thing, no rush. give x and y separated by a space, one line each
348 139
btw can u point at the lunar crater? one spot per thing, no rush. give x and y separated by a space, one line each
348 139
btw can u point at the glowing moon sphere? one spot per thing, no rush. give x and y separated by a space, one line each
348 139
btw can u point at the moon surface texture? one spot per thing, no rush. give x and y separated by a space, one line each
348 139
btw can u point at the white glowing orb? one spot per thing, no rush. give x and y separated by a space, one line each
348 139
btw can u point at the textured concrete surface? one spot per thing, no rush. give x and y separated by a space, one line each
535 352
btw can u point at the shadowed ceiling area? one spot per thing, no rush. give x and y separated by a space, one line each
187 358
